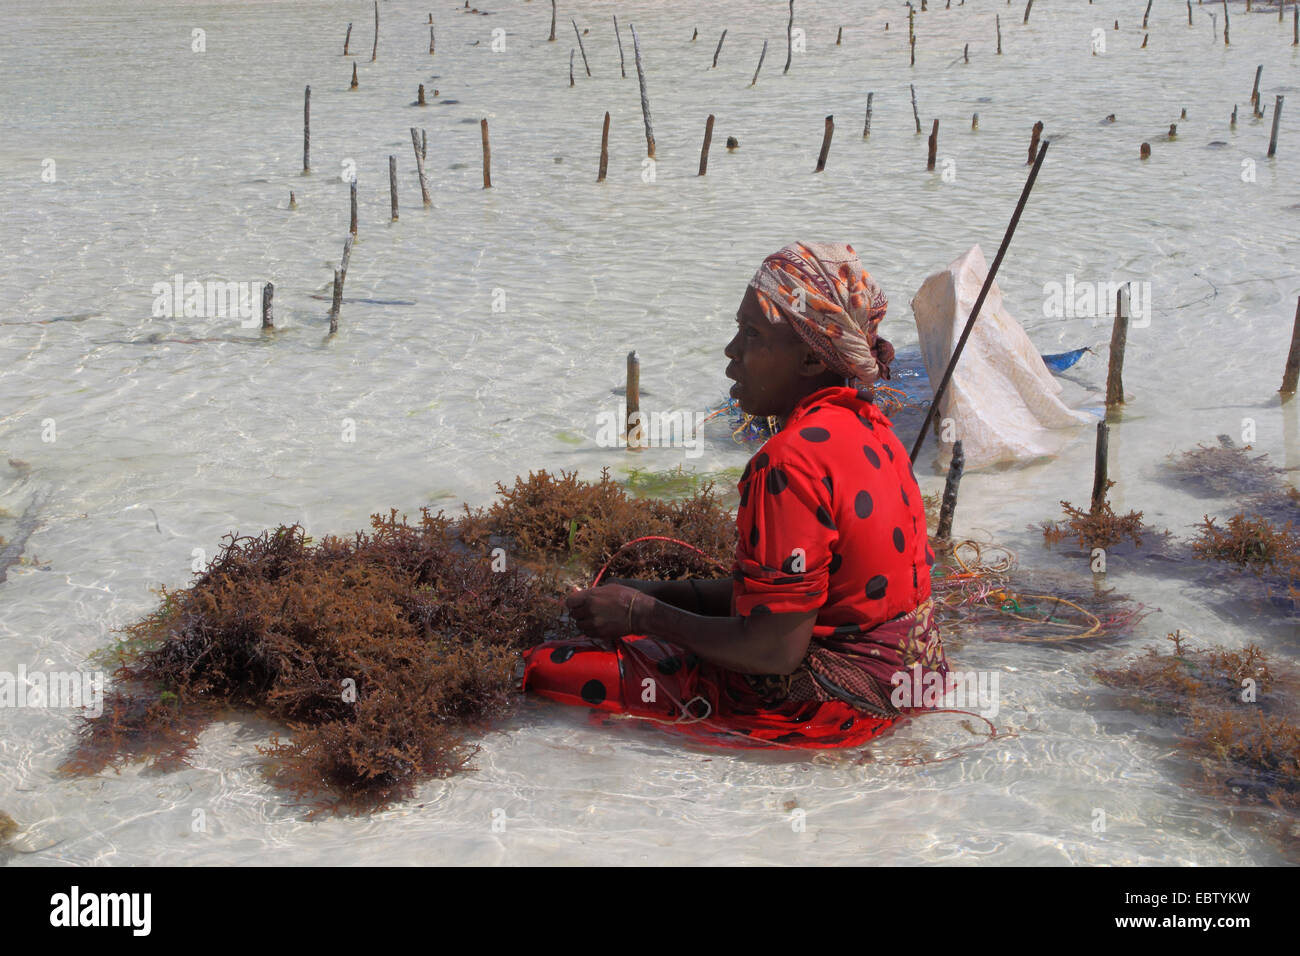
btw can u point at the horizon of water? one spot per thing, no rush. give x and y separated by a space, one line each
171 433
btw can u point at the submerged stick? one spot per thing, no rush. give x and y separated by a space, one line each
268 292
424 141
1254 93
1277 120
760 64
645 98
353 84
974 121
347 39
347 257
1118 341
1033 141
1292 371
622 71
1030 5
826 144
789 40
1189 12
718 50
604 150
633 401
999 22
1225 22
419 166
487 155
392 184
552 36
431 38
979 303
934 147
704 150
293 203
572 51
375 50
1100 467
582 48
915 115
866 129
1144 16
352 196
419 96
336 303
306 132
950 486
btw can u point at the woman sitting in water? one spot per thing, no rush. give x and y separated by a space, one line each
830 591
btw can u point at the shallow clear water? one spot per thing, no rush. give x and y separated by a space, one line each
171 161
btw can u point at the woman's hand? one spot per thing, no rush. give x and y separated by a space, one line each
604 612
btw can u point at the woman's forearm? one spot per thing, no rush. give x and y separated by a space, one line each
708 596
774 644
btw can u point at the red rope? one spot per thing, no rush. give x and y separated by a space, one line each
653 537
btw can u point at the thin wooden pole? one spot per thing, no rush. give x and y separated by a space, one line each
645 98
934 147
1118 342
431 38
552 36
950 486
1029 6
1099 468
306 132
268 292
760 64
704 150
1295 23
293 203
336 303
999 23
487 155
866 129
915 114
572 51
839 36
585 65
375 50
1145 16
789 40
604 150
1292 371
1189 12
826 144
419 101
979 303
1225 22
974 121
1254 93
718 50
347 39
1277 120
634 430
424 141
352 197
419 166
392 184
617 36
1033 141
353 84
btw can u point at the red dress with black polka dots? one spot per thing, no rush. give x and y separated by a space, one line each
830 520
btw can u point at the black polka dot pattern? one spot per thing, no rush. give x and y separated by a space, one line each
759 610
760 461
836 561
863 505
753 537
776 481
876 587
871 456
899 542
744 495
813 434
562 654
593 692
825 518
669 665
830 485
889 452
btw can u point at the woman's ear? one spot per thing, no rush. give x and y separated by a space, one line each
810 365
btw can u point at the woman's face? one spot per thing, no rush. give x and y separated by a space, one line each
772 367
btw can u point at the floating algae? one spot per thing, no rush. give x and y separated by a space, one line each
1239 715
381 652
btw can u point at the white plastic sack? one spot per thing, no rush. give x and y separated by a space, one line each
1002 397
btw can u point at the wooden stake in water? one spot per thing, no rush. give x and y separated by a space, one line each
347 257
1118 341
1033 141
704 150
866 129
760 64
1029 6
419 167
353 85
1145 37
420 97
1189 12
336 303
633 390
306 132
487 155
826 144
955 468
293 203
352 201
911 33
695 34
999 24
1233 124
1277 119
1147 14
572 51
1099 468
1295 23
582 48
617 36
718 50
645 97
915 115
431 38
1254 93
789 40
347 39
375 50
268 292
1145 151
965 53
392 184
1292 372
974 121
1225 22
604 150
934 147
839 36
552 36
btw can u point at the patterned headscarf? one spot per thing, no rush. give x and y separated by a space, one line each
833 304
